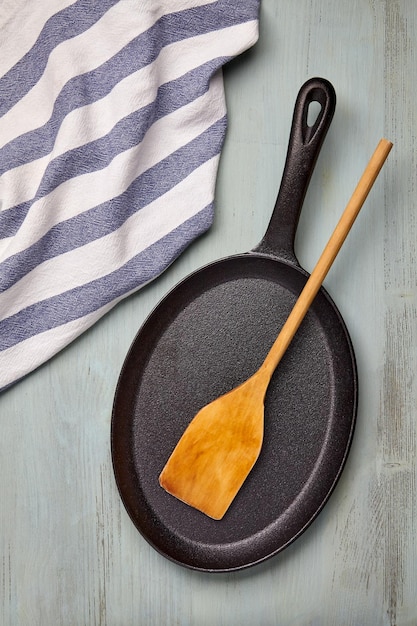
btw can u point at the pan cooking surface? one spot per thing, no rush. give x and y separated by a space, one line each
208 335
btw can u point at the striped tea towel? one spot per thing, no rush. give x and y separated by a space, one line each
112 119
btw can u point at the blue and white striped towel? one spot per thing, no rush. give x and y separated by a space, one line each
112 119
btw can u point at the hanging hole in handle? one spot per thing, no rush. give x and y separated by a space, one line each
313 113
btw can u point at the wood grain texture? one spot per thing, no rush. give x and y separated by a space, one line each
69 554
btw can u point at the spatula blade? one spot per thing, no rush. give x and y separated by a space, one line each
217 451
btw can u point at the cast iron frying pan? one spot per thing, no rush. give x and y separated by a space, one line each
210 333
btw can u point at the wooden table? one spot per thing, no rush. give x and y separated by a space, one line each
69 553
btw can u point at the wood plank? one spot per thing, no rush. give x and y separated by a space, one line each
69 553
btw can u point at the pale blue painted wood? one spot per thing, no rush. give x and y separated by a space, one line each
69 553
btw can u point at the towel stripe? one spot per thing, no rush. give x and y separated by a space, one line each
29 350
92 85
127 133
63 26
98 119
11 22
66 24
103 256
85 192
81 301
112 121
109 216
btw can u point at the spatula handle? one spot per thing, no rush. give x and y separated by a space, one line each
328 255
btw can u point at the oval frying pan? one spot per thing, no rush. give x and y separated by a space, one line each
210 333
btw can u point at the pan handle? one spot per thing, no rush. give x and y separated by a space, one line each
303 149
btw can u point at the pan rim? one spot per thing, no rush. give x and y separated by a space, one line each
163 550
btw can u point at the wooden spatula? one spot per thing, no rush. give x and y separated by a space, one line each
223 441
